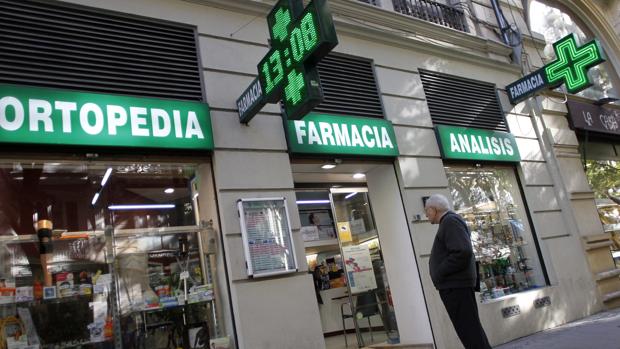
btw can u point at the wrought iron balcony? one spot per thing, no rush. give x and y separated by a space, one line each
433 12
372 2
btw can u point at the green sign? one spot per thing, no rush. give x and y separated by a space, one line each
464 143
300 38
570 68
342 135
32 115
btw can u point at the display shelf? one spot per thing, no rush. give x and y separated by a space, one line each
142 232
318 246
78 344
97 233
173 307
57 300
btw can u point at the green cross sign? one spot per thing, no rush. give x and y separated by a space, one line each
572 64
570 68
300 38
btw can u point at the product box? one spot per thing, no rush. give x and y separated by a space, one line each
219 343
168 301
49 292
200 294
85 289
64 283
7 291
96 330
24 294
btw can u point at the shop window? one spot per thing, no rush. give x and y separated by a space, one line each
103 255
604 178
489 199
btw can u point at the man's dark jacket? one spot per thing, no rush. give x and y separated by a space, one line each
452 263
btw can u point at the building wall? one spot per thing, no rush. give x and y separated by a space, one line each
248 161
252 161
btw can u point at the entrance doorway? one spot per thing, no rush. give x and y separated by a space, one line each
344 254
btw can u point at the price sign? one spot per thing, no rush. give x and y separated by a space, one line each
300 38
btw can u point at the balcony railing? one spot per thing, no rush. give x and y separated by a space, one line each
372 2
433 12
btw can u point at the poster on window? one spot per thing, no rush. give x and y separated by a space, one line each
358 264
266 233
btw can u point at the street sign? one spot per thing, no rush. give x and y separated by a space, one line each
300 38
570 68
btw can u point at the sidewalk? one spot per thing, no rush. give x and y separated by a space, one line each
600 331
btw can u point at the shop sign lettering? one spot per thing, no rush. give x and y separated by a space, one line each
475 144
589 117
342 135
49 116
526 86
569 68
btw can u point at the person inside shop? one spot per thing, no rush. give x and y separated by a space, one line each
453 271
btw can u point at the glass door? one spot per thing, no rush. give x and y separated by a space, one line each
370 302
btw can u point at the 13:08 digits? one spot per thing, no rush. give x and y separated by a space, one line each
302 39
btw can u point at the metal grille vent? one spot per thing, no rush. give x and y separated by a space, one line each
511 311
76 47
542 302
458 101
349 87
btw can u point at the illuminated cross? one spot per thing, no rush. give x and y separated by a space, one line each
572 63
300 38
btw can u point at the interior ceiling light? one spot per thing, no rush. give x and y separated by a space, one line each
141 207
328 166
311 202
169 190
94 201
359 176
106 176
350 195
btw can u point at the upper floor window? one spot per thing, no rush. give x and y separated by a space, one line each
555 23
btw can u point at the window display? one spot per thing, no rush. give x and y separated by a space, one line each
96 255
490 202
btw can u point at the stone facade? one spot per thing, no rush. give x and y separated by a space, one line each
253 161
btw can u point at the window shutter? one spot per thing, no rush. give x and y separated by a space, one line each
66 46
458 101
349 86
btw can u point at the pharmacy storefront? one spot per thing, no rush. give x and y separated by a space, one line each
355 234
486 192
104 241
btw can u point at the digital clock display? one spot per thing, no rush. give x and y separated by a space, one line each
298 42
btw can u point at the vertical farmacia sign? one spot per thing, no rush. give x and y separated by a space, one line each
300 38
570 68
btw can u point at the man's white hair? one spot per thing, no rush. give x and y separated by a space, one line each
438 202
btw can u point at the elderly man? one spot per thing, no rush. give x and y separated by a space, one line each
453 271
